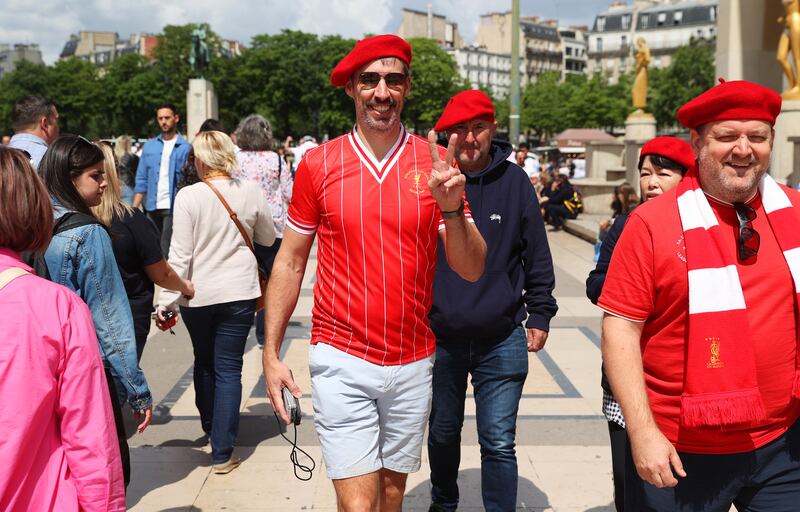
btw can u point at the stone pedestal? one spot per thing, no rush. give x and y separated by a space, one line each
201 104
639 128
784 167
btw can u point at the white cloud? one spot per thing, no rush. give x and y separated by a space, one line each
50 22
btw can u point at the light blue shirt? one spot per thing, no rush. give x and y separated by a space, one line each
35 146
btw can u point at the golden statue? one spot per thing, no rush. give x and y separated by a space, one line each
790 41
640 80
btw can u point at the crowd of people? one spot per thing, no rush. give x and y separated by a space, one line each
433 267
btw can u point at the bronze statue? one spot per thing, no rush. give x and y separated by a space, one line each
199 57
790 41
640 80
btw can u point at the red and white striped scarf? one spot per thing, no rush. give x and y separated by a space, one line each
720 382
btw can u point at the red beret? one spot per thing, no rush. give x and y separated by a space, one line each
677 150
367 50
738 99
464 106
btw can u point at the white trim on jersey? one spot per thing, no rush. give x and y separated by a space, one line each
303 229
376 168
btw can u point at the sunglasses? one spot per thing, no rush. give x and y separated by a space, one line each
370 80
748 241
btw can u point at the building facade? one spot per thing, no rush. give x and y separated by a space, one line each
433 26
11 55
485 70
665 25
539 41
100 48
573 44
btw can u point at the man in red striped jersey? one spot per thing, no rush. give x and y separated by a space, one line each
378 198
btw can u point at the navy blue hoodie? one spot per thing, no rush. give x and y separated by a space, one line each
506 212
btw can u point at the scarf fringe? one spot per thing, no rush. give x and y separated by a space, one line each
721 409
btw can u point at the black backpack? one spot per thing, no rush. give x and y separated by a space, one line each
67 221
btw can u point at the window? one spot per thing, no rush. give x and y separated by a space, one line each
662 18
568 50
601 24
626 22
677 17
712 12
644 20
624 42
599 44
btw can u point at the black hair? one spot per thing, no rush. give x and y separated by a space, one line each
65 159
662 162
29 110
524 145
211 125
168 105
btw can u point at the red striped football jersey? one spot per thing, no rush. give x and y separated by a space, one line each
377 226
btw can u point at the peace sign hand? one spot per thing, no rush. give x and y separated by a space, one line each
446 182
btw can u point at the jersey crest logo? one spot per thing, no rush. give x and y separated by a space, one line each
497 217
714 361
418 179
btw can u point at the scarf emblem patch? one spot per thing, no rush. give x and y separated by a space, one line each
714 361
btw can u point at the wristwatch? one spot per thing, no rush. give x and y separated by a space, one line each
455 213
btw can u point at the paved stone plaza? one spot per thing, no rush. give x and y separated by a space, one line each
564 459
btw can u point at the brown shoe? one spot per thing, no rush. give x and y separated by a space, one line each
227 467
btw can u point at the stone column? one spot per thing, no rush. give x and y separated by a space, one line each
639 128
794 177
747 41
201 104
785 166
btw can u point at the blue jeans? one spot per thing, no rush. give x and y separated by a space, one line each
498 373
219 333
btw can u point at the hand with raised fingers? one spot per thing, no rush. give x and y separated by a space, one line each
446 182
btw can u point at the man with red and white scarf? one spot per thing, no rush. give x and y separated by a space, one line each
700 336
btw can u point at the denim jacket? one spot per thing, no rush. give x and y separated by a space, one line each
82 260
149 170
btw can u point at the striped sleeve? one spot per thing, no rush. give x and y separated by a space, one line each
304 211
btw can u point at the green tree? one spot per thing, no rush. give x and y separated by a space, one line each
434 80
690 73
132 88
25 80
541 105
75 88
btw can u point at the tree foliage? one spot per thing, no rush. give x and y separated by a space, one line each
285 77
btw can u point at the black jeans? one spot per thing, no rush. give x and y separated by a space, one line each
619 444
122 438
557 213
267 255
765 479
163 221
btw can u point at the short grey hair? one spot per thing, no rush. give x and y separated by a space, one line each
254 133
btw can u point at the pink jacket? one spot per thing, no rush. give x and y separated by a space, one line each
58 443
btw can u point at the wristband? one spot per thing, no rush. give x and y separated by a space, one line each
455 213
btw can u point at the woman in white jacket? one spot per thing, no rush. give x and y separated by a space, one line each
208 248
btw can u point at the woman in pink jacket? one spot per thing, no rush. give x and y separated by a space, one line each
58 443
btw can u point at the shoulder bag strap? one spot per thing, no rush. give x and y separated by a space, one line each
234 218
10 274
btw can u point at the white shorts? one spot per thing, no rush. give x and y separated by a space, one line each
368 416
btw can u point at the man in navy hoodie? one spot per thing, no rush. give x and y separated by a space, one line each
479 326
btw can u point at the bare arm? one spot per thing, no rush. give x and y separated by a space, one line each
164 276
137 199
653 454
464 248
285 281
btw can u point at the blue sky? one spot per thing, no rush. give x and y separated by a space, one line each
50 22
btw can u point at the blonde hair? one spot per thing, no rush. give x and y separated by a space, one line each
215 150
111 204
122 146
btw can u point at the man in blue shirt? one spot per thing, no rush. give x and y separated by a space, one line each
159 170
35 123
